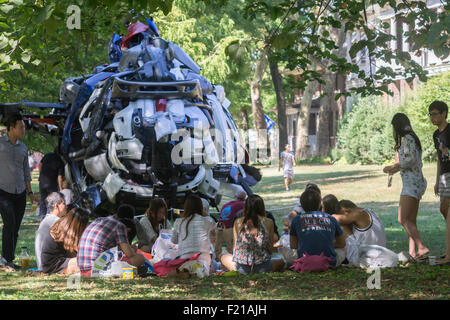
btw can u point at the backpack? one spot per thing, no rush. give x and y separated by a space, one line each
312 263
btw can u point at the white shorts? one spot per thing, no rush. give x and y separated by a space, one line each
289 173
413 186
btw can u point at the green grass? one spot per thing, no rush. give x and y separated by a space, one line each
364 185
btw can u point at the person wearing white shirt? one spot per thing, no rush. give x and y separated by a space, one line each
193 232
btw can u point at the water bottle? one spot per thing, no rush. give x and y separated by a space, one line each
24 258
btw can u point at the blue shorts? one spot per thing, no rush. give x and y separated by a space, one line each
257 268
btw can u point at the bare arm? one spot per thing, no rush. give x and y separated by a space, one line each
345 219
438 174
272 235
135 259
235 233
33 198
293 242
60 182
339 242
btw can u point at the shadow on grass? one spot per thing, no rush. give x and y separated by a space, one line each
274 183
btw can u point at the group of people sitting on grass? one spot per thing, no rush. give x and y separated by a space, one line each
67 243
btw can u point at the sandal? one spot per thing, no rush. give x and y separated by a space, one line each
421 258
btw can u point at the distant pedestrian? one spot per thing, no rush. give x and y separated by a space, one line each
288 161
51 170
15 184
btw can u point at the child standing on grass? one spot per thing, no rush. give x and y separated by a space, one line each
193 230
288 161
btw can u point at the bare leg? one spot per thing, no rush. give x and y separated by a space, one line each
447 242
407 214
227 261
290 180
286 183
445 206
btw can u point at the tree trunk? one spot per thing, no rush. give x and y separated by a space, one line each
245 121
257 109
245 127
281 104
324 134
324 143
302 146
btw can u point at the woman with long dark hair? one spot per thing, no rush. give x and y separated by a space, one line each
253 236
148 227
60 246
193 231
409 149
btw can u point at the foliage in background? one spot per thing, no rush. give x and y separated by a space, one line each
365 134
416 108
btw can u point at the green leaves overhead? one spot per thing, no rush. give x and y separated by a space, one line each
44 13
284 40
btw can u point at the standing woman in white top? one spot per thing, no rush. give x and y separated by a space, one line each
409 149
193 230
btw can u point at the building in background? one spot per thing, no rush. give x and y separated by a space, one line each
401 88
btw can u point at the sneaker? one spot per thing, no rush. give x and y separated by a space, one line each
12 265
287 189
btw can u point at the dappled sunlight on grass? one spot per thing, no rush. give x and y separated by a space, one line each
364 185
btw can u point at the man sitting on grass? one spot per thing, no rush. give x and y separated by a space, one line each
105 233
315 232
56 209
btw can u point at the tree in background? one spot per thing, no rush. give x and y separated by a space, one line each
365 134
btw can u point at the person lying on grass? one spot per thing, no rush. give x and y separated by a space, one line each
253 238
363 225
315 232
148 227
105 233
60 245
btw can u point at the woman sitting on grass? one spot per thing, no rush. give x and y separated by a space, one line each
148 227
253 236
193 231
60 246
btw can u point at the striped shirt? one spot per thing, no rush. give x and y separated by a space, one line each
102 234
14 169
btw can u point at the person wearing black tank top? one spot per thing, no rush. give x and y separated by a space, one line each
438 111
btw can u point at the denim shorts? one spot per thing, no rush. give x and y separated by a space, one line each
257 268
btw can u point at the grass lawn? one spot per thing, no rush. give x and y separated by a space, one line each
364 185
